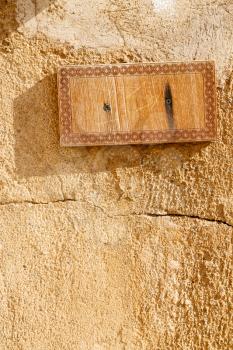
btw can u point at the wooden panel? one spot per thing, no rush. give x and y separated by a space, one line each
137 103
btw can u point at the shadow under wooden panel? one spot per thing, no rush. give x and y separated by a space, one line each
8 21
38 151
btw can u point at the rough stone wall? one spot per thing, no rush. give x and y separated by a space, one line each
111 247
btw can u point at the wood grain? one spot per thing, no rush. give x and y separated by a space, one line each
102 101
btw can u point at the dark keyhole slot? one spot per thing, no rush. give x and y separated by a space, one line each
169 106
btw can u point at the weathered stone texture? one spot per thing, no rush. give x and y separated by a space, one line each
73 277
111 247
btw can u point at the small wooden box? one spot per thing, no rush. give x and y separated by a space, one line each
137 103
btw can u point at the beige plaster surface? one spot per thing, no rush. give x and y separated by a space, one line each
111 247
73 277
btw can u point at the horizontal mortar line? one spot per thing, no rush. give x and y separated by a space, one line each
145 214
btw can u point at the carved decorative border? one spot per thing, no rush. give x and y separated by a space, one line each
68 138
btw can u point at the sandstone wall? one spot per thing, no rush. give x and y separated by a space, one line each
111 247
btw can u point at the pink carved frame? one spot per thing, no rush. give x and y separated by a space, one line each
68 138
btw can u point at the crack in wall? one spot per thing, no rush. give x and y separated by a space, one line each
145 214
179 215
